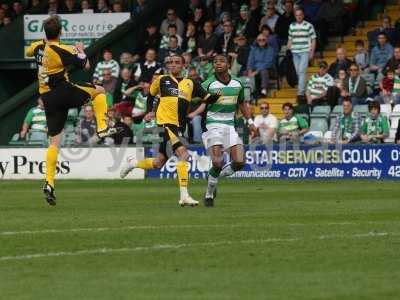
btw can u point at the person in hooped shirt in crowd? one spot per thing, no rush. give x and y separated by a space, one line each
87 127
261 61
107 63
292 127
35 120
375 127
347 126
380 54
173 49
318 86
355 86
302 42
266 124
172 31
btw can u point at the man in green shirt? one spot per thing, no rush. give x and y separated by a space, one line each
35 120
376 127
292 126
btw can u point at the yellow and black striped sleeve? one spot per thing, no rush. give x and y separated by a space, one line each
31 51
155 86
69 56
200 92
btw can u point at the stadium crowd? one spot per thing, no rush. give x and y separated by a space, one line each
264 40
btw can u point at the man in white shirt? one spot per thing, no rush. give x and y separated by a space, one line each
266 124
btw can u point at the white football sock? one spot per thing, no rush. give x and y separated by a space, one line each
226 170
184 192
212 185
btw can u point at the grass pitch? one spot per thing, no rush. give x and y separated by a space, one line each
263 240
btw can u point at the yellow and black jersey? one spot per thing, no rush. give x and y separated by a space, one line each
36 50
55 59
175 96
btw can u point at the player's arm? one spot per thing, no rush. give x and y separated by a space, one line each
71 56
198 111
245 108
154 91
27 123
30 52
200 92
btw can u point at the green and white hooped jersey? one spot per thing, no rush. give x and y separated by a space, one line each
223 111
36 119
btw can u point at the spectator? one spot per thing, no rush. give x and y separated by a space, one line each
70 7
217 8
347 126
171 32
107 63
87 127
271 17
397 138
146 69
124 83
18 9
189 43
355 86
361 58
375 128
302 44
109 82
292 126
152 40
53 7
271 38
2 16
173 48
318 85
387 29
241 55
117 7
388 94
172 18
86 7
199 18
35 7
7 20
261 61
111 117
126 60
125 136
394 62
283 23
208 41
139 7
244 25
340 81
225 42
219 29
266 124
35 120
102 7
380 54
204 68
341 63
140 99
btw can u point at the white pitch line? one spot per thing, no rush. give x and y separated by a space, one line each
188 245
188 226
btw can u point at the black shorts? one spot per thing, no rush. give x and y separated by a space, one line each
60 99
172 135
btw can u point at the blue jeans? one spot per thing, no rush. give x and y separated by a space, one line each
197 130
300 61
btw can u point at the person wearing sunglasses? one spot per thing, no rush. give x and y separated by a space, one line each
355 86
266 124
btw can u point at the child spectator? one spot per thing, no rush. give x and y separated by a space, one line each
390 88
292 126
375 128
361 57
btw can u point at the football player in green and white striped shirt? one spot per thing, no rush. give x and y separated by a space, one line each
318 85
35 120
221 134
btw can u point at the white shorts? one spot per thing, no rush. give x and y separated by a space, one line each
221 134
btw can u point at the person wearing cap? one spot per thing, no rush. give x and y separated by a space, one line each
375 127
266 124
318 85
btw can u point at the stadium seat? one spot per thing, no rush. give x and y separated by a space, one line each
392 135
322 109
37 138
362 110
72 115
15 141
327 136
386 109
68 139
319 124
394 121
69 127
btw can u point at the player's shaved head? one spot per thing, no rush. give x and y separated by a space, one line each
52 27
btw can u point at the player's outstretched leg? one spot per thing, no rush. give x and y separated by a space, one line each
51 166
100 110
132 163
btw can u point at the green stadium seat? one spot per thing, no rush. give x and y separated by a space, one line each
322 110
69 127
68 139
38 138
15 141
319 124
72 115
338 109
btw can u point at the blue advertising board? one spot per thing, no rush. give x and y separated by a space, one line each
304 162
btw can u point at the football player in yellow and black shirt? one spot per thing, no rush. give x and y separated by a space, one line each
59 94
175 94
